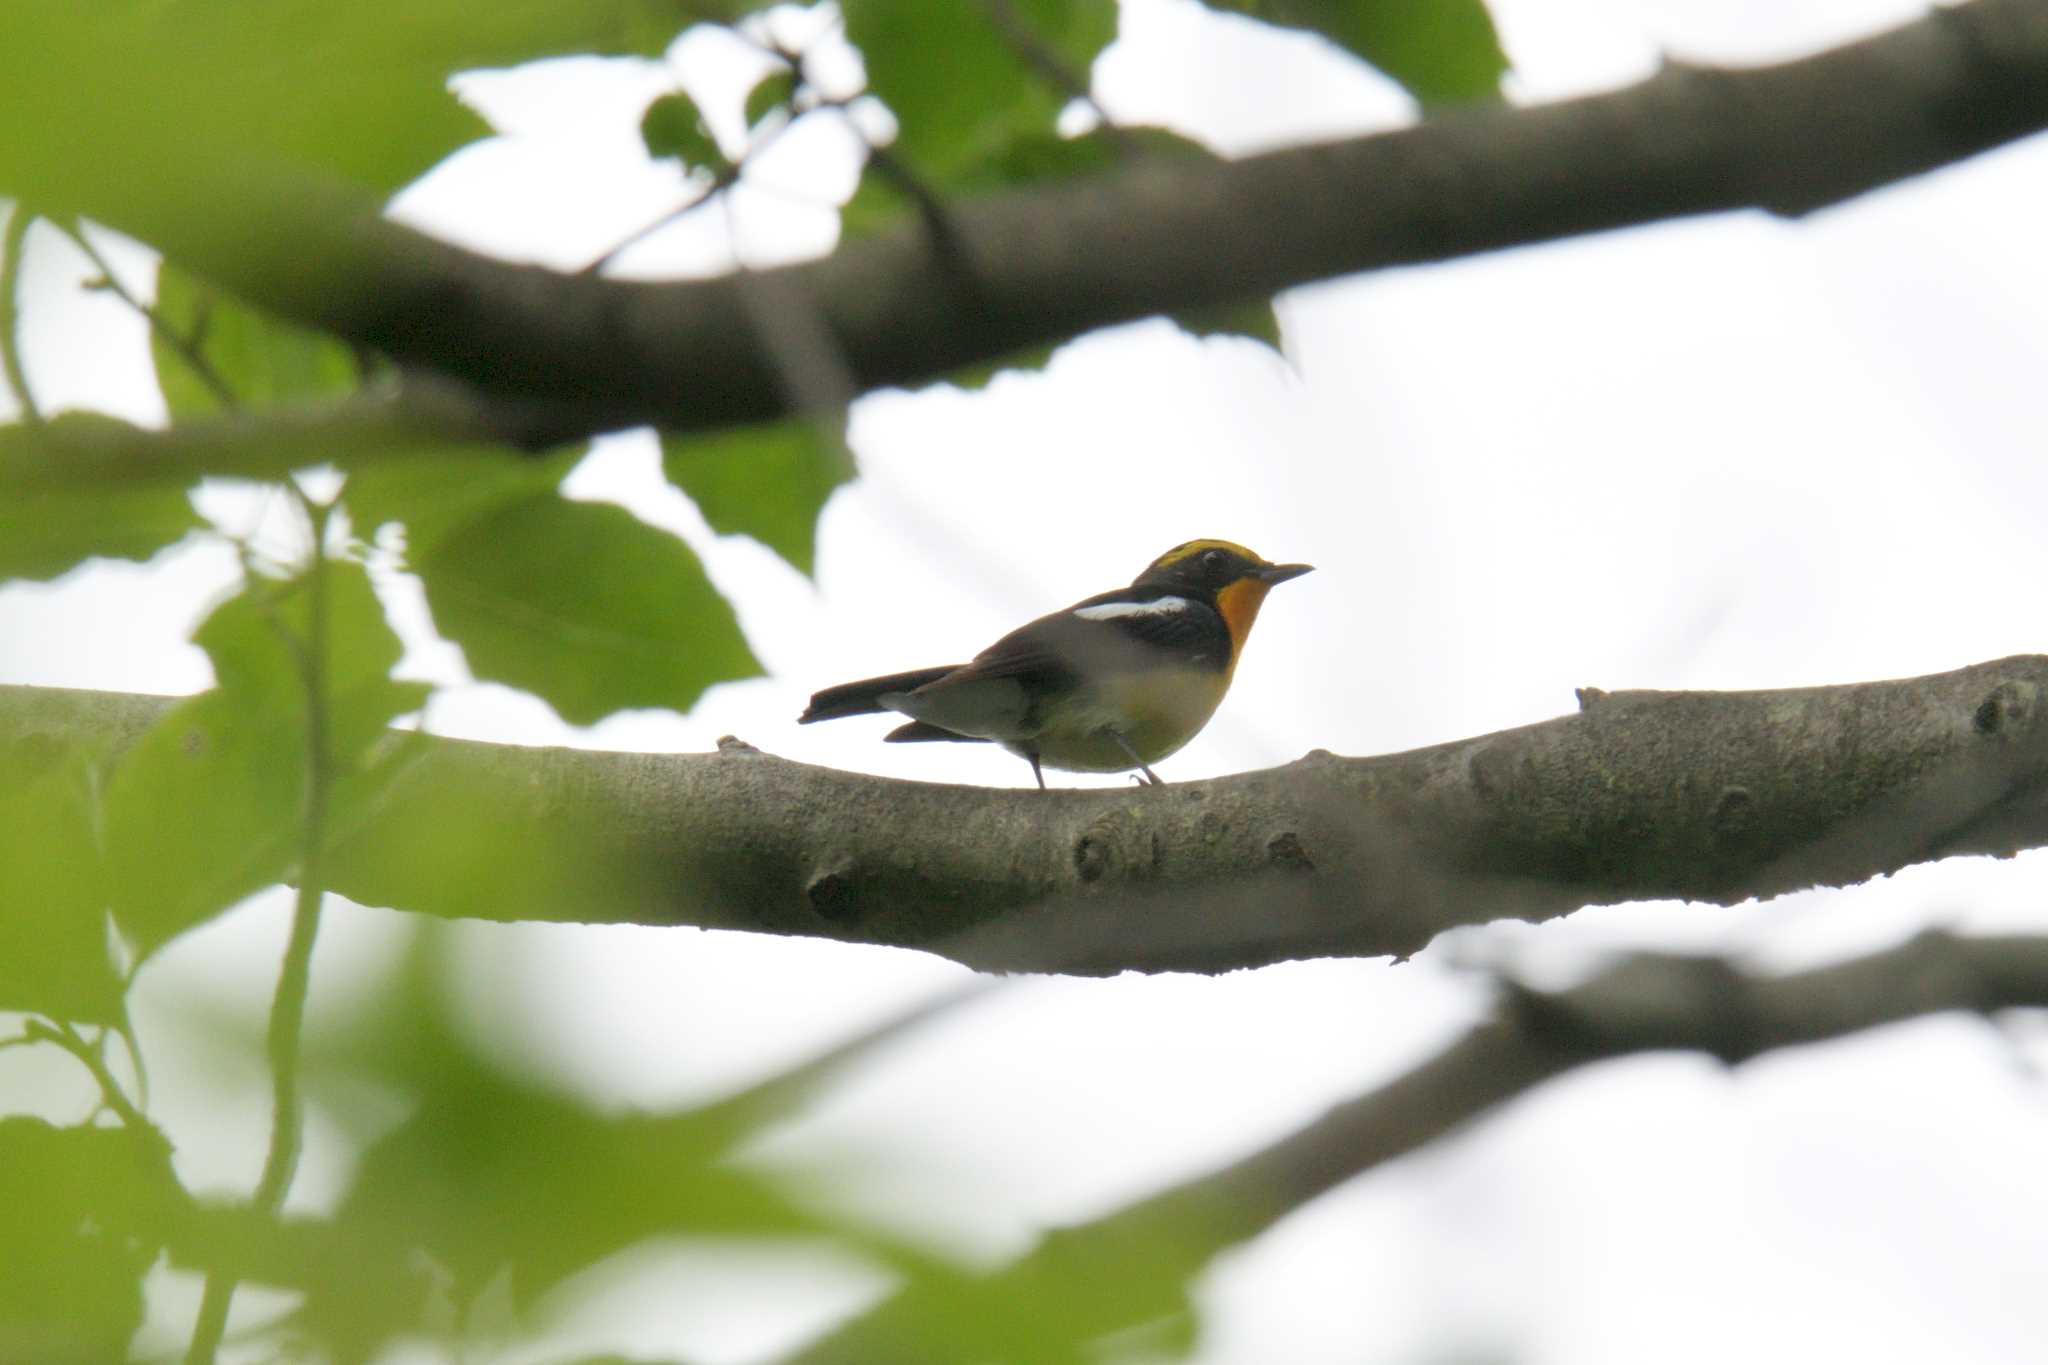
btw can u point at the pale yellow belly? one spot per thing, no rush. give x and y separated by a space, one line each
1156 713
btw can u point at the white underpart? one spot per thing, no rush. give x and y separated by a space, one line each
1164 606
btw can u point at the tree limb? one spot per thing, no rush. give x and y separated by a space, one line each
1712 796
582 355
1131 1267
1643 1003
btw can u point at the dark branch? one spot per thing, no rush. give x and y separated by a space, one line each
1641 1004
1160 236
13 244
1713 796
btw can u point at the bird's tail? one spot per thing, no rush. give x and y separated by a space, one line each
860 698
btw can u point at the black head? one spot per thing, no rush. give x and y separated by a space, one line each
1207 567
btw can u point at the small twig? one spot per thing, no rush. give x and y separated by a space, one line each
722 181
929 206
67 1037
187 347
18 221
288 1009
1026 43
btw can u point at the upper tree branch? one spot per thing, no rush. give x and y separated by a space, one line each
1714 796
1159 236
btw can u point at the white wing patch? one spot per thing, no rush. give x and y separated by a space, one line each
1109 611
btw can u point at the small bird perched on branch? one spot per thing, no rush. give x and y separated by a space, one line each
1118 681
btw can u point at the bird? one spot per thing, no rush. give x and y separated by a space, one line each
1114 682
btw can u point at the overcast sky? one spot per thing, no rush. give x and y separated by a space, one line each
1732 452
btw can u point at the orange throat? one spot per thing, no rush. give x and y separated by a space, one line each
1239 603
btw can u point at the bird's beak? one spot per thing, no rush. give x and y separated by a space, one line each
1280 573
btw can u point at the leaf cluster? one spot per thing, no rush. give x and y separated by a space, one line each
178 121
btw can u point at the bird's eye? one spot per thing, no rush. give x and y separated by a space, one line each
1214 559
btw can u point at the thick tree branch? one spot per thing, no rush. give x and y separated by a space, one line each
1714 796
1643 1003
584 354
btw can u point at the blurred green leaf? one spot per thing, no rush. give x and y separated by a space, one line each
354 91
1442 51
769 482
1255 320
457 834
438 492
1031 156
876 204
672 127
206 808
494 1181
47 529
87 1212
773 91
259 359
250 639
55 954
201 812
962 89
583 604
973 378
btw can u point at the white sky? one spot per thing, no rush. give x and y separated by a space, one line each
1724 453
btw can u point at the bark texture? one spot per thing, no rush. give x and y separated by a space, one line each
1712 796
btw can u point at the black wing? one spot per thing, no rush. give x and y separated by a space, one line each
1125 631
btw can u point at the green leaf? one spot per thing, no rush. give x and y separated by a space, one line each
201 812
257 359
48 528
773 91
1255 320
1442 52
1030 156
961 88
88 1210
254 640
583 604
439 492
212 87
206 808
429 1202
55 954
457 834
973 378
769 482
672 127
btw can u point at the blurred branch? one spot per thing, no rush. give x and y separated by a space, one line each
12 246
294 981
188 347
1643 1003
1709 796
1037 54
92 1056
385 420
1164 235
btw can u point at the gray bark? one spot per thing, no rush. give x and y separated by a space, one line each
1711 796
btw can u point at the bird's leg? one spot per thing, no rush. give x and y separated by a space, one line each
1151 777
